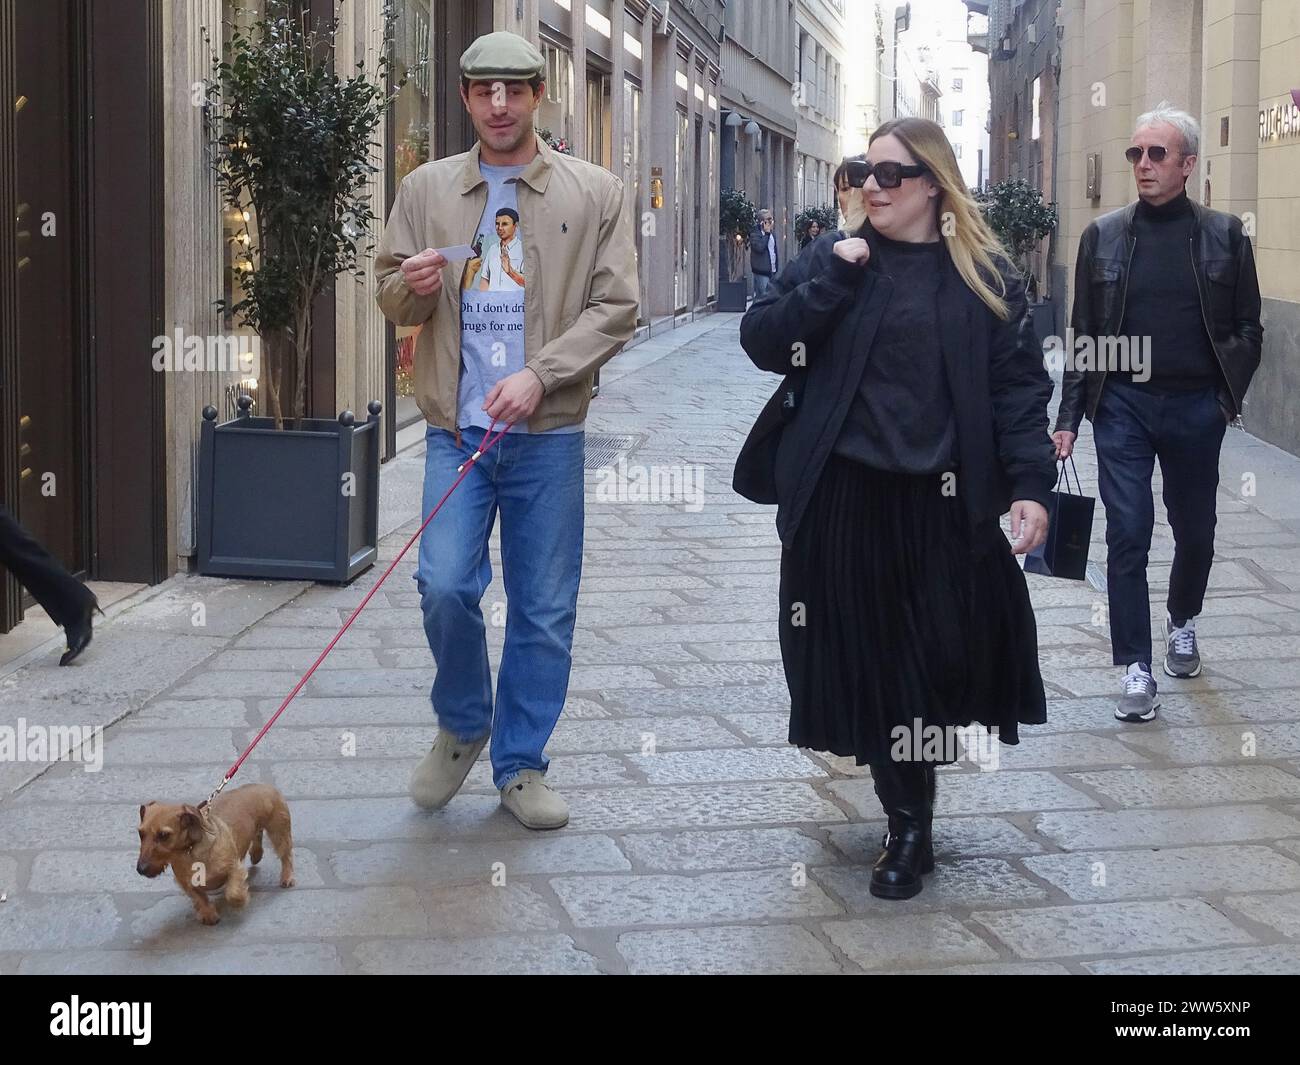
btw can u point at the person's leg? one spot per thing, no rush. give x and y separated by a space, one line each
906 794
453 572
62 596
540 493
1125 462
761 281
1191 437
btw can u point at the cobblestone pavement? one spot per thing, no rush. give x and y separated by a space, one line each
699 839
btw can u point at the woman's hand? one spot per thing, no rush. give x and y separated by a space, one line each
1028 526
853 250
1064 441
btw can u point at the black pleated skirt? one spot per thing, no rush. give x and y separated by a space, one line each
892 612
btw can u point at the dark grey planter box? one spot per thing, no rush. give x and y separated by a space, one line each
732 295
272 502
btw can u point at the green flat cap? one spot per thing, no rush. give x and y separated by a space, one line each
501 56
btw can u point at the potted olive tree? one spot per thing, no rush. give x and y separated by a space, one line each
1017 214
281 494
736 221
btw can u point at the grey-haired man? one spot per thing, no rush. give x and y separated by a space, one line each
1176 281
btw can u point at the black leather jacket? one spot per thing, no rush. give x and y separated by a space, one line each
1225 279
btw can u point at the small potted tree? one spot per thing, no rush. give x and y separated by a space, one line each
1016 212
736 222
280 494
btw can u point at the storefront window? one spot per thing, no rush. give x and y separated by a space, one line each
411 145
681 159
709 231
632 173
600 150
237 223
556 112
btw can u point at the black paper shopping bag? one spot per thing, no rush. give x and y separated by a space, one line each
1065 551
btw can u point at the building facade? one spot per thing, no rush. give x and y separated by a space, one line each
962 75
1024 69
820 98
872 28
758 93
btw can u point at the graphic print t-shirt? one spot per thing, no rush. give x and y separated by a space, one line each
492 301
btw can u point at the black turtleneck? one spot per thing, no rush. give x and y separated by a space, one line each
1163 302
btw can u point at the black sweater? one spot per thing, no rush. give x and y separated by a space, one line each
1163 303
901 418
829 310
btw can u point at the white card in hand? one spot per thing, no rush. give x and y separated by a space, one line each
457 253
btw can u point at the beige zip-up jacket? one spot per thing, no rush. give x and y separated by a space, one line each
580 301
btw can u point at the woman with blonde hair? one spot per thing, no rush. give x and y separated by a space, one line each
913 415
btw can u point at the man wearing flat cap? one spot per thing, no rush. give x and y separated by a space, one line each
511 333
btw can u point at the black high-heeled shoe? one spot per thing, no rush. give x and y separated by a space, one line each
79 632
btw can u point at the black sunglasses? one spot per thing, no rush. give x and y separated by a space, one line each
1156 153
888 174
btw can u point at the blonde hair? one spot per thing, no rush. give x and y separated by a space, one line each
976 251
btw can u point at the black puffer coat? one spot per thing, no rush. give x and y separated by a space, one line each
826 311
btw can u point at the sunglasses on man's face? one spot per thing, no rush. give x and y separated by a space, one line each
1156 153
888 174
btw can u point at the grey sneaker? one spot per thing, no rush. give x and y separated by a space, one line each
532 801
1182 658
1138 701
443 770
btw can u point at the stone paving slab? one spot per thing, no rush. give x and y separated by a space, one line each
699 840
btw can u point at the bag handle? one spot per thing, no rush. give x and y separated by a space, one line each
1078 485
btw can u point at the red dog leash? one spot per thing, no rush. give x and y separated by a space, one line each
463 469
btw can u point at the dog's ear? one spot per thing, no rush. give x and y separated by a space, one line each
191 822
151 802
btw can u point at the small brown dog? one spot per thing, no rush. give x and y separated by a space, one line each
206 848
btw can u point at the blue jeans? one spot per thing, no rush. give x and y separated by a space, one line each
1184 431
761 284
535 481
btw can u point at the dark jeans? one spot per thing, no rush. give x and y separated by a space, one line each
63 596
1184 431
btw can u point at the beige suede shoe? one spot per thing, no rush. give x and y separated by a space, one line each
443 770
533 803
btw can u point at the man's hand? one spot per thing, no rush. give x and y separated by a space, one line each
853 250
1028 526
514 398
1064 441
423 272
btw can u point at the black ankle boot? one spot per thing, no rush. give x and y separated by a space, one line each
905 792
78 632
